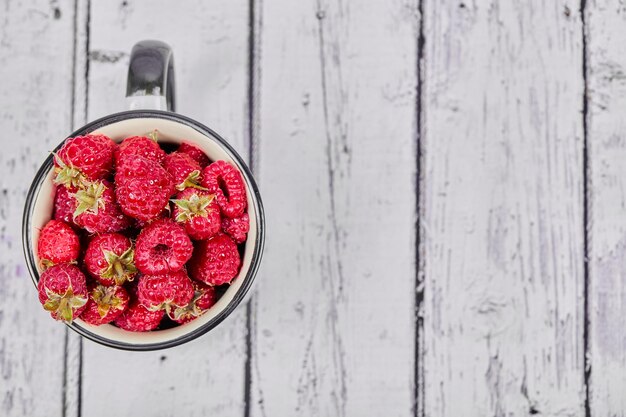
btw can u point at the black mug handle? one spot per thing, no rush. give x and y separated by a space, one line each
151 77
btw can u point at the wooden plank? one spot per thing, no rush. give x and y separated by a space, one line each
333 322
205 376
36 44
74 342
606 141
502 209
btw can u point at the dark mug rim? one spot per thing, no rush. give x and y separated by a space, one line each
258 244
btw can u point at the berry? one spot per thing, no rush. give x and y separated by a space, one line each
163 246
165 291
64 204
198 211
63 292
84 158
146 147
109 258
96 209
137 318
226 182
196 153
204 297
143 188
237 228
184 170
215 261
105 304
58 243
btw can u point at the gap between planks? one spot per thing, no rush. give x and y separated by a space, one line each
418 407
585 225
254 50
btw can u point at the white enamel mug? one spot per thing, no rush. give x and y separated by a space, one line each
150 97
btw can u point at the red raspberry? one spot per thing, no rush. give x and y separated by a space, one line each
198 211
184 169
163 246
58 243
165 291
84 158
63 292
143 188
97 211
204 297
215 261
225 181
64 204
196 153
139 146
237 228
109 258
137 318
105 304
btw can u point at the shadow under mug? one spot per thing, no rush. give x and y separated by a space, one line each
151 100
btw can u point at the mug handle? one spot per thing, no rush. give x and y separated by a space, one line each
150 82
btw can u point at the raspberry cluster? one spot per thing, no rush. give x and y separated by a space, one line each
139 238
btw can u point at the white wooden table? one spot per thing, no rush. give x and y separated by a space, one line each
445 188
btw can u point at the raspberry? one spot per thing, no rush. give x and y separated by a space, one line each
237 228
204 298
139 146
62 291
143 188
225 181
209 207
105 304
58 243
198 211
109 258
64 204
215 261
165 291
184 169
97 211
163 246
84 158
196 153
137 318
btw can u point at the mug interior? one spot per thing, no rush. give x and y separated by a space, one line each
39 211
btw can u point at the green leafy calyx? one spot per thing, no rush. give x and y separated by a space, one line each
196 205
89 199
68 175
192 181
106 299
64 305
191 310
121 268
154 135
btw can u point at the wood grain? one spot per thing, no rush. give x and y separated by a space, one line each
606 63
329 106
206 376
502 209
333 317
35 115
